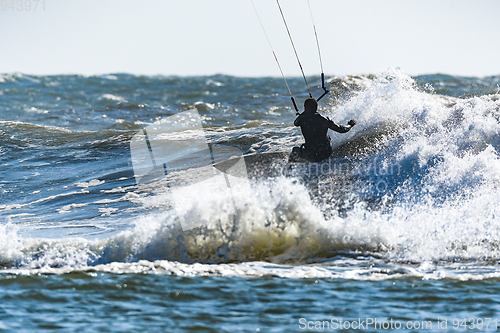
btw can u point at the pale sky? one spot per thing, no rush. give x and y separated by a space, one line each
205 37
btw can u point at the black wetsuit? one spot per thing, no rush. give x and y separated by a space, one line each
314 129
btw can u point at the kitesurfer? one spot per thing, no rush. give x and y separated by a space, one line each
314 128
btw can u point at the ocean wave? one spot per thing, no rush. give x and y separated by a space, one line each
419 131
22 134
276 222
272 226
345 268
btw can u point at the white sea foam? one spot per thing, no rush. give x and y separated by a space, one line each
52 197
93 182
112 97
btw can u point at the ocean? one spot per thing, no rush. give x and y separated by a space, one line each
399 230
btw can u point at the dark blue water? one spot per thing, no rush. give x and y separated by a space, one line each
401 227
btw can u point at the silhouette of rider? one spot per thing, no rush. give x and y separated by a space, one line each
314 128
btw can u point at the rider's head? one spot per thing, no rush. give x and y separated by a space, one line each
310 105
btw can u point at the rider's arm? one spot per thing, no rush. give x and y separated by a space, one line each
297 121
338 128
